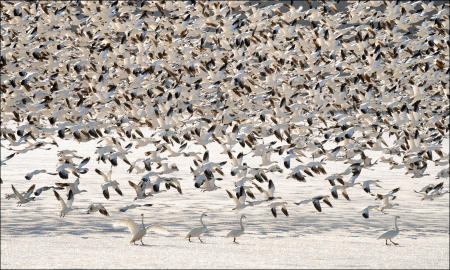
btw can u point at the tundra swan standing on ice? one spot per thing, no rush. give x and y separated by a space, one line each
238 232
196 232
391 233
138 234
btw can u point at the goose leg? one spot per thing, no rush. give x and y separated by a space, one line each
200 239
387 243
393 242
234 241
142 243
189 239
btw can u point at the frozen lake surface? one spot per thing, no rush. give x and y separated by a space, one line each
34 236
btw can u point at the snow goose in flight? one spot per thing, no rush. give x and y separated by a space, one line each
167 170
30 175
23 199
71 186
140 189
430 187
196 232
273 208
365 211
389 194
94 207
169 182
444 173
132 206
240 167
238 232
386 204
366 185
316 202
67 163
3 162
335 177
241 183
108 183
45 188
269 193
138 234
391 233
239 199
342 188
65 207
430 192
63 173
13 195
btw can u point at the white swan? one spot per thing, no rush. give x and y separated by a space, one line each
196 232
138 234
392 233
65 208
238 232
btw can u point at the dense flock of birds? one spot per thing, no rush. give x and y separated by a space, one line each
300 84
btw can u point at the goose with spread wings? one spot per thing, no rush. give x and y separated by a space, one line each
66 207
316 202
109 183
24 198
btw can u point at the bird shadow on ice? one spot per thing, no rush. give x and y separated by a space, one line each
49 224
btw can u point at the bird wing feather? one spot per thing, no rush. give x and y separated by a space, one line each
30 191
129 223
18 195
157 228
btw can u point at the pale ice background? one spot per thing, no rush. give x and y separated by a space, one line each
34 236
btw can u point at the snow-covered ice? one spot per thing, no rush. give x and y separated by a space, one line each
34 236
